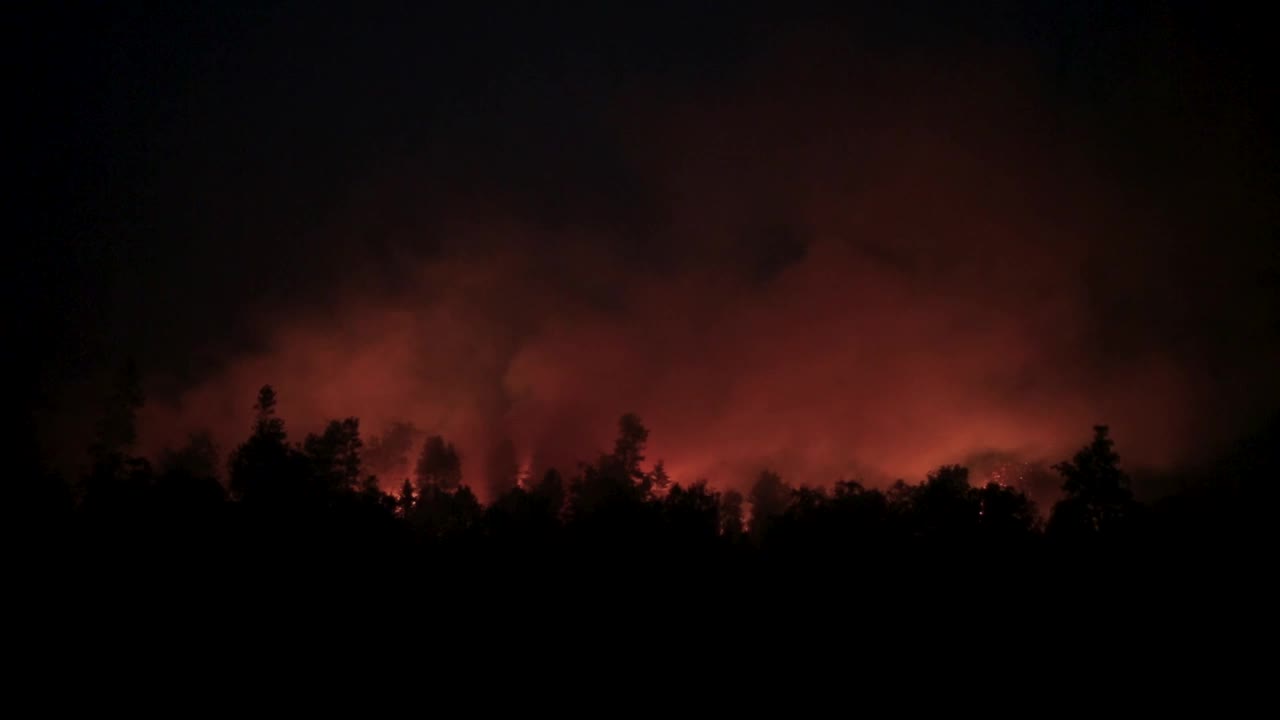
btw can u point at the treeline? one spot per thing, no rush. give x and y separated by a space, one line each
314 496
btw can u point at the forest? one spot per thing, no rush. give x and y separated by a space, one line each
274 500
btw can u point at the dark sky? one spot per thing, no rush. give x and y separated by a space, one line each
833 240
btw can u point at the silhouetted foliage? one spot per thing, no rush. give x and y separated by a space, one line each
731 525
528 519
265 469
549 493
628 451
692 514
944 506
188 481
863 514
316 497
335 454
404 503
1098 499
616 484
658 477
1005 514
833 243
439 467
770 497
445 513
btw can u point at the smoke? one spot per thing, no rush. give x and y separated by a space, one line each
831 272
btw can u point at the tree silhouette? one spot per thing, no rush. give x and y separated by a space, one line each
944 506
611 498
405 502
1005 514
1098 499
266 424
549 494
264 468
189 475
692 514
731 514
446 513
628 450
770 497
862 515
439 467
616 479
335 455
615 513
658 477
528 519
465 510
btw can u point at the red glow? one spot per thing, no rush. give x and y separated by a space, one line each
937 309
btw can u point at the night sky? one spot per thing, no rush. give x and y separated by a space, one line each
836 242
